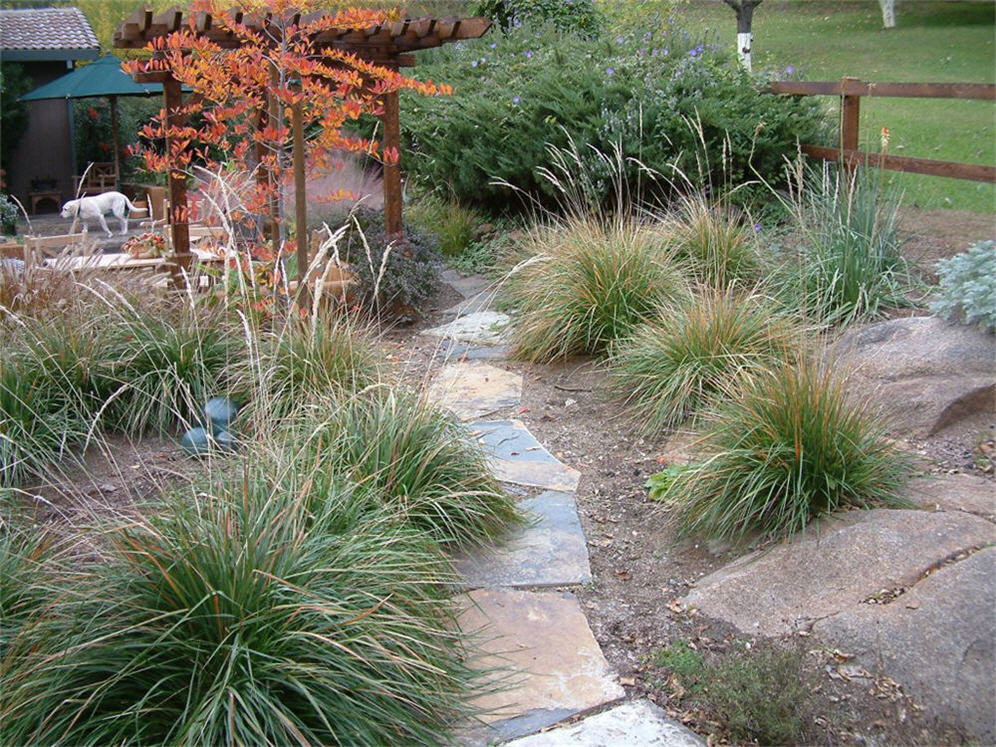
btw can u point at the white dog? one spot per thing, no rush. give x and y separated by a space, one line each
97 207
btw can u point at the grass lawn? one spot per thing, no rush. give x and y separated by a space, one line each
933 42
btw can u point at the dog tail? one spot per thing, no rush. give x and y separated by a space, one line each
131 206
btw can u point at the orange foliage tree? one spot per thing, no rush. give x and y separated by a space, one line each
243 97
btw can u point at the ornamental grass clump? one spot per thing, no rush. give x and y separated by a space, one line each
587 284
256 613
417 459
848 267
673 366
167 362
305 359
787 448
718 243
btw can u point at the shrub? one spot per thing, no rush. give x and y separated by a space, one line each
421 461
454 225
240 616
849 266
677 364
717 241
516 94
967 287
788 448
587 285
576 17
400 275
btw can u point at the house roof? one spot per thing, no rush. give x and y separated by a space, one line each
46 34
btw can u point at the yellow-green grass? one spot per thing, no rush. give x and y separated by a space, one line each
943 42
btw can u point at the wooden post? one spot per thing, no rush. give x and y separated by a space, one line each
392 171
850 105
173 97
300 204
274 113
114 140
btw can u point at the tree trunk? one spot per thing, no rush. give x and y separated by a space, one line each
745 16
888 13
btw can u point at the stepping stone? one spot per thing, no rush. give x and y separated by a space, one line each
466 285
553 667
549 552
480 328
638 722
517 457
479 302
472 390
456 350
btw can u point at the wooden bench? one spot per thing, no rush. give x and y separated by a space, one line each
101 177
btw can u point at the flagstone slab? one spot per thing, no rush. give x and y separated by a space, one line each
638 722
517 457
460 350
466 285
544 639
472 305
473 389
550 551
479 327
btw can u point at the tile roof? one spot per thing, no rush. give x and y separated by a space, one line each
46 28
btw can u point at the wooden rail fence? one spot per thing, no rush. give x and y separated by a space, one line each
850 91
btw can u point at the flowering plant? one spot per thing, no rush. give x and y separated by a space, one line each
146 246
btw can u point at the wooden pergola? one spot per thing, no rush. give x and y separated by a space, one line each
390 45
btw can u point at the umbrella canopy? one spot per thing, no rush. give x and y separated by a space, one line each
103 77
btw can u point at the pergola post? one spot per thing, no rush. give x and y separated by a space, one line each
180 266
391 119
300 204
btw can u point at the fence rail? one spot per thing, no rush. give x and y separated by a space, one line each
851 90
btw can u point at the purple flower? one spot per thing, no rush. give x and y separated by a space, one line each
790 69
609 71
515 100
757 228
639 53
473 63
494 44
619 40
528 53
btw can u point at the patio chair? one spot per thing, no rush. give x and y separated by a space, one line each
102 177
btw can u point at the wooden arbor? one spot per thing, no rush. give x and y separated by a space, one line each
389 45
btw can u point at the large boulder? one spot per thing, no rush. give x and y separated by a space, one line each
927 374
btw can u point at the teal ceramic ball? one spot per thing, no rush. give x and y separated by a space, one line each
220 411
225 440
196 441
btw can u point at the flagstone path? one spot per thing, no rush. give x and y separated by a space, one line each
543 664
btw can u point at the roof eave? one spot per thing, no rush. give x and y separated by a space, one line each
48 55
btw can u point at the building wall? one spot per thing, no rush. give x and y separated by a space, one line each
45 149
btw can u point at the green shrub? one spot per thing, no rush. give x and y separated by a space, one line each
516 94
423 463
587 285
677 364
574 17
789 447
967 288
848 266
256 614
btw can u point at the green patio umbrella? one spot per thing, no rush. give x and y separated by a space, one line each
102 77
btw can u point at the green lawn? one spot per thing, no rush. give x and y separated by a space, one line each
933 42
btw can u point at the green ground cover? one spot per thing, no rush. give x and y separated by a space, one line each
933 42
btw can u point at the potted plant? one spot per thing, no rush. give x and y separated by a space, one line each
8 215
146 246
